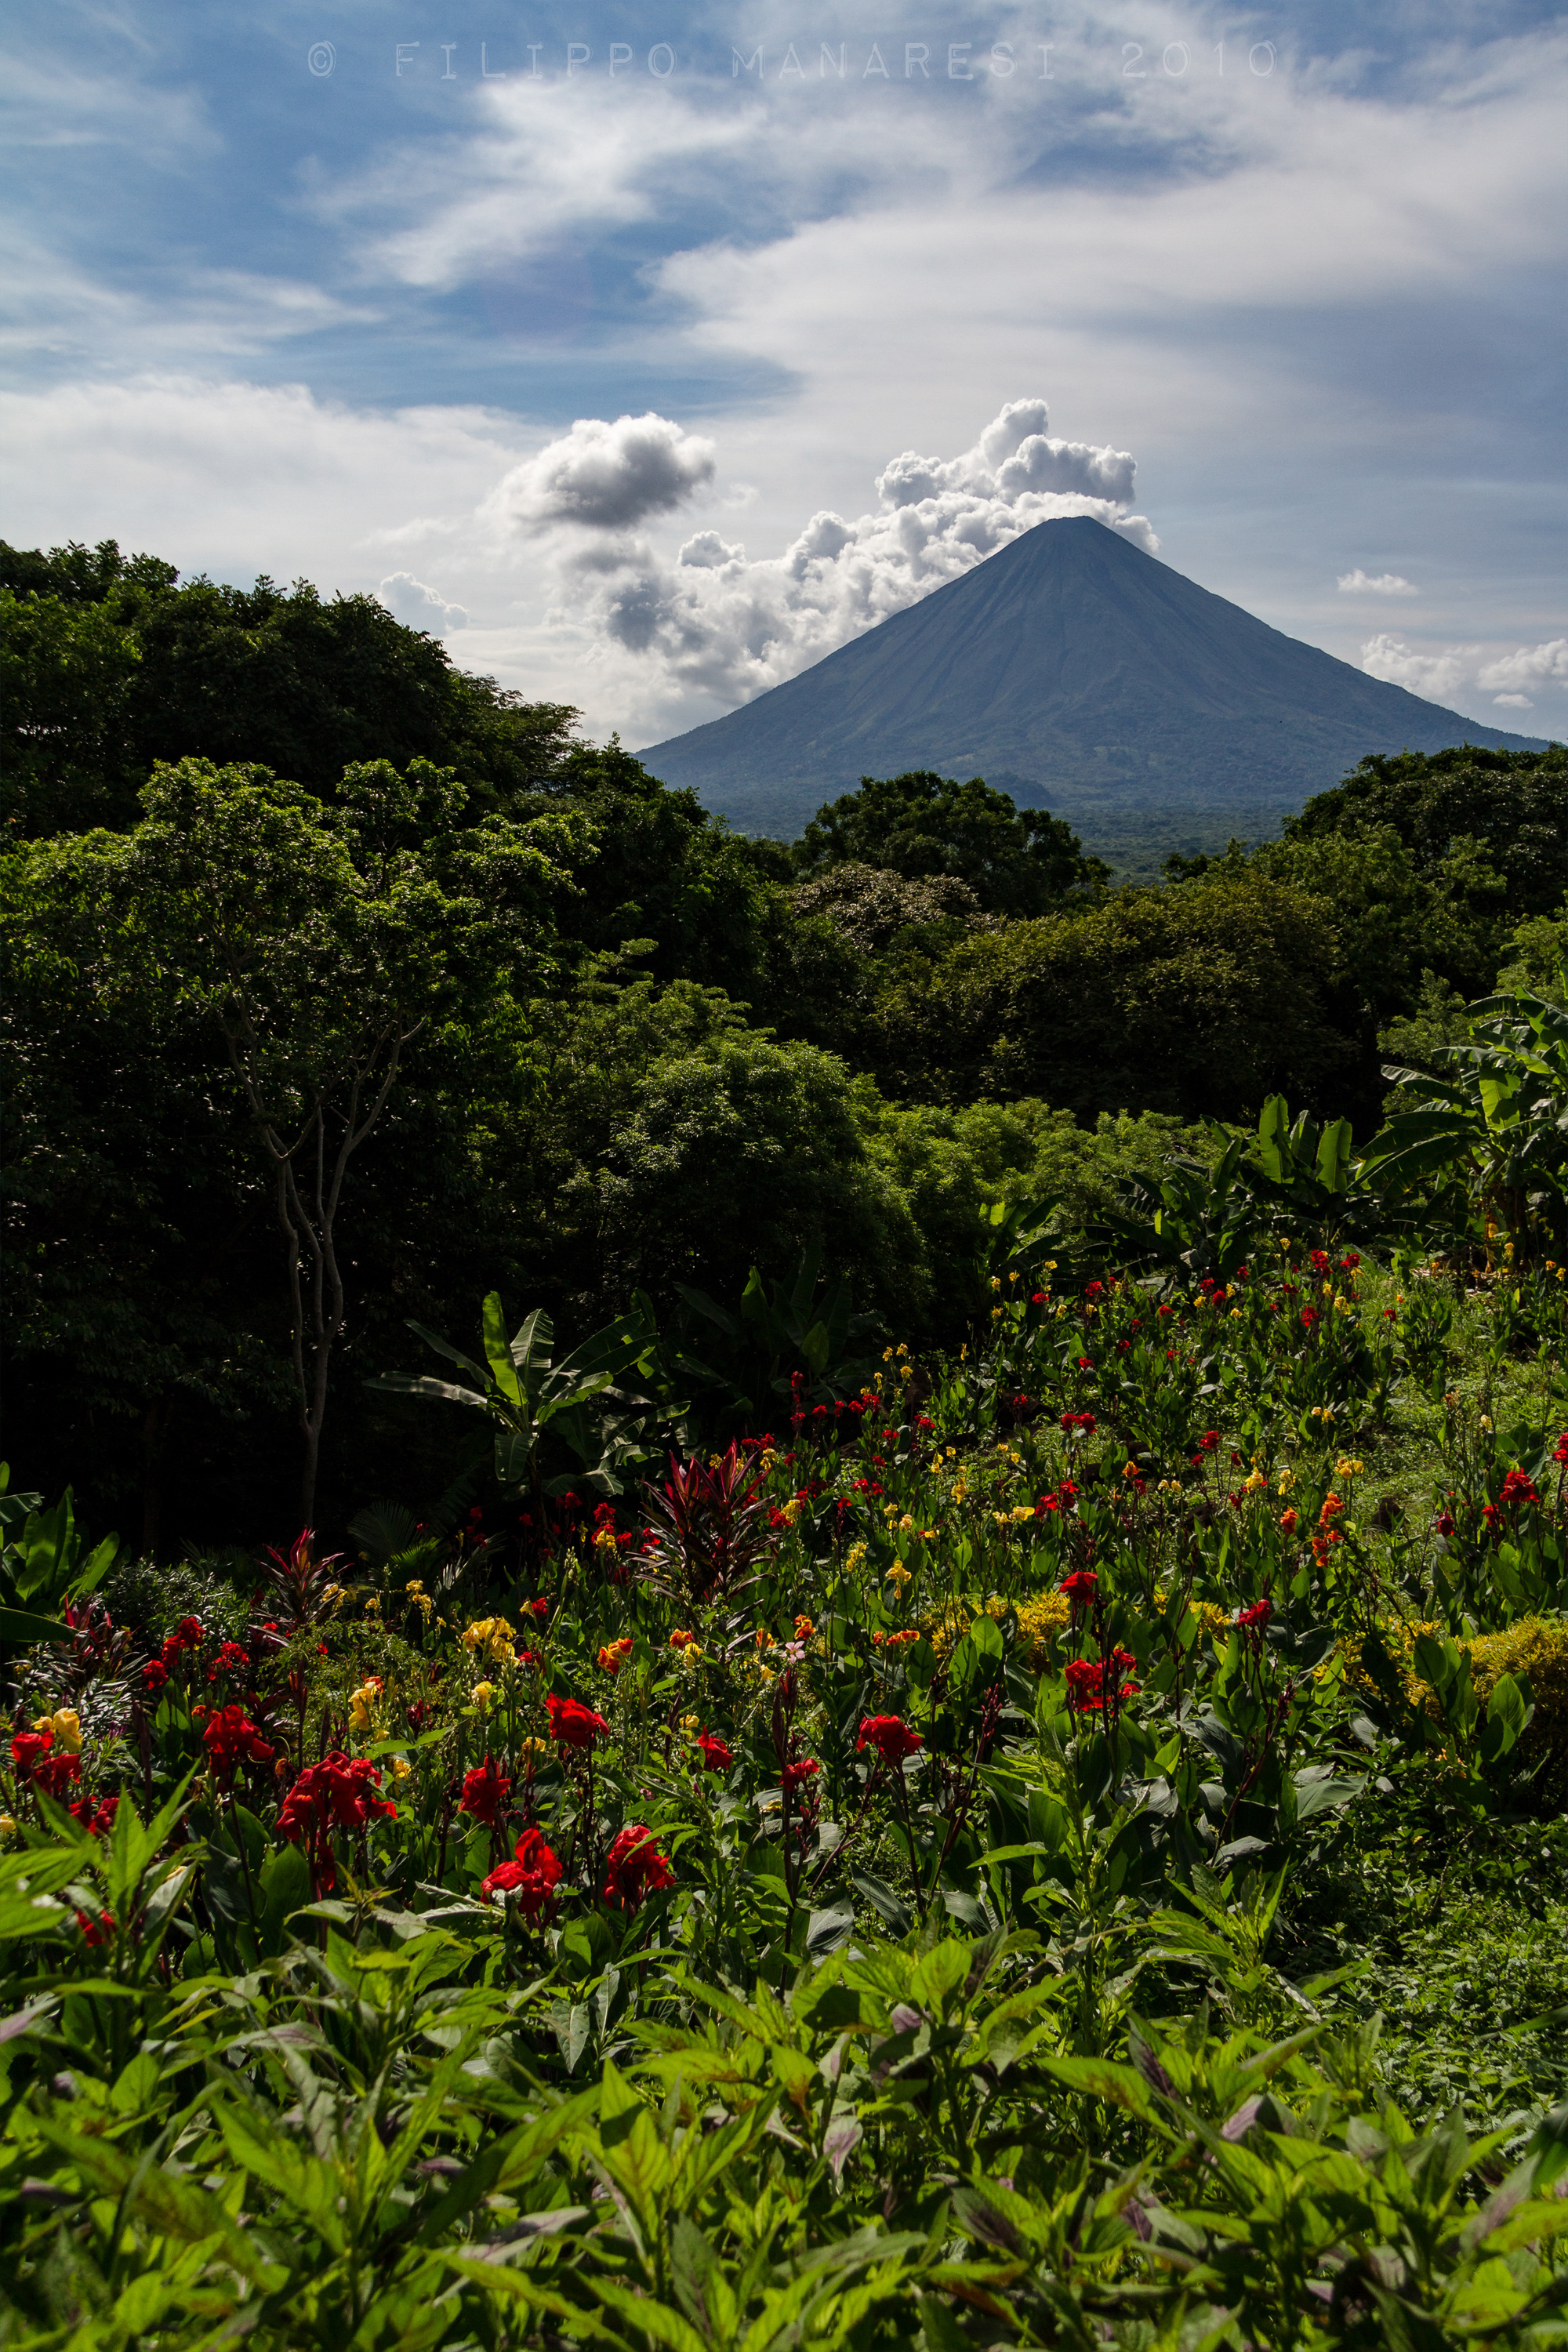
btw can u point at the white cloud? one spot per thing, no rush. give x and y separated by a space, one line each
1448 672
418 607
713 623
1380 583
1528 666
607 477
1436 678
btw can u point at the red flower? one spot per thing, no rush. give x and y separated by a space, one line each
1086 1680
1517 1491
230 1737
1252 1620
635 1868
155 1674
796 1775
540 1608
533 1876
96 1931
485 1792
230 1659
31 1754
716 1757
97 1821
572 1723
1445 1524
1081 1587
336 1793
1209 1441
891 1735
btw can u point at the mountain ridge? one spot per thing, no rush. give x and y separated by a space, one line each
1074 670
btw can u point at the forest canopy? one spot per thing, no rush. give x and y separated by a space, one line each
634 1049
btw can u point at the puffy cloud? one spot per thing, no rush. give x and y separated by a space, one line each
1454 671
418 607
608 476
1382 583
717 623
1436 678
1528 666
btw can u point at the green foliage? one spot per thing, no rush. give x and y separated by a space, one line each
1017 862
526 1393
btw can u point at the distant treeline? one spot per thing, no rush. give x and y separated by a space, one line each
273 862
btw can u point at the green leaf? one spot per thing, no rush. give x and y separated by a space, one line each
20 1629
498 1350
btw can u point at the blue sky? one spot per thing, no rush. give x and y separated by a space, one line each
647 386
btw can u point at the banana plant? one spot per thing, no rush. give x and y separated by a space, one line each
750 1355
43 1564
1495 1111
525 1393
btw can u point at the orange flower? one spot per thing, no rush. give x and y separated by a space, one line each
613 1655
679 1641
1332 1508
1288 1521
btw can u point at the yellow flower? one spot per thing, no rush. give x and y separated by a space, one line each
1255 1483
1020 1512
854 1558
8 1826
491 1638
995 1282
364 1707
906 1523
692 1654
484 1697
690 1723
1129 1470
1286 1480
66 1725
401 1768
899 1574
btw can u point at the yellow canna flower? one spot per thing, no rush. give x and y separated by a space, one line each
66 1725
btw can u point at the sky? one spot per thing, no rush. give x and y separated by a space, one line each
647 352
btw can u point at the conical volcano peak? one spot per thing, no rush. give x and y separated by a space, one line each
1077 672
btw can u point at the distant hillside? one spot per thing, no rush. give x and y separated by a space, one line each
1076 672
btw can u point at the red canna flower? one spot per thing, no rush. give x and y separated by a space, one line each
96 1931
891 1735
336 1793
533 1876
33 1754
803 1768
98 1820
1517 1491
485 1792
231 1738
635 1868
155 1674
716 1756
1082 1588
572 1723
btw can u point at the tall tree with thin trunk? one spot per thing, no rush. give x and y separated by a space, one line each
322 942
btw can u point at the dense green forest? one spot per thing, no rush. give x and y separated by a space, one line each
280 873
953 1734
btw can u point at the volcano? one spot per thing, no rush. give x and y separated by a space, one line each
1079 674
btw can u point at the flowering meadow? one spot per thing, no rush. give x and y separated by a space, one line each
889 1878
